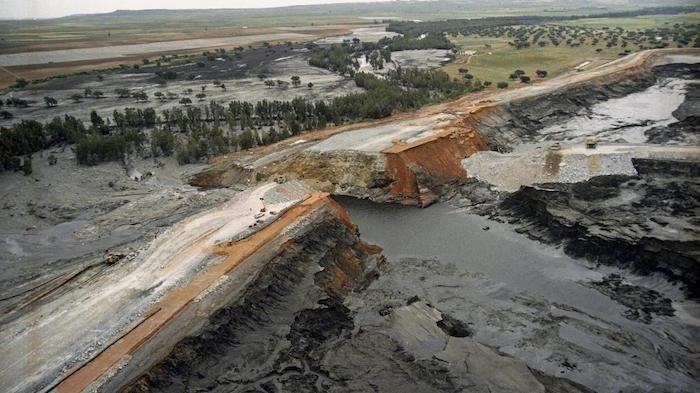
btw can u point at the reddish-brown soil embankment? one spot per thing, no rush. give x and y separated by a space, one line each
419 168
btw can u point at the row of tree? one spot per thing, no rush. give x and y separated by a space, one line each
193 133
478 25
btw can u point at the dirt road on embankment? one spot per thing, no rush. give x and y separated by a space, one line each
112 326
410 157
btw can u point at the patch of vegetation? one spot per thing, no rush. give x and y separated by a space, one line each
494 52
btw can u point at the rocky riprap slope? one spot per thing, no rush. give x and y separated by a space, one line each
648 222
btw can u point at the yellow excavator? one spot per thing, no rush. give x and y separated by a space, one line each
113 257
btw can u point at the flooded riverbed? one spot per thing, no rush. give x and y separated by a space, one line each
526 299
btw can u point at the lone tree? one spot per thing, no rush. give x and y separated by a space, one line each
525 79
201 96
269 83
502 85
541 73
50 102
310 85
185 101
140 96
296 81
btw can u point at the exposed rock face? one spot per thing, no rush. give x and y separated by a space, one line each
269 335
647 221
352 173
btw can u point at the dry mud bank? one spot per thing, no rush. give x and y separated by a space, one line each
525 121
315 244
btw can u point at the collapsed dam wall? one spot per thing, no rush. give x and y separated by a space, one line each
315 269
224 265
415 158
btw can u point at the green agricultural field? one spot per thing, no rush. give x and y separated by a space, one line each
494 59
495 64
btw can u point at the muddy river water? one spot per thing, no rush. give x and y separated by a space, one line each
528 300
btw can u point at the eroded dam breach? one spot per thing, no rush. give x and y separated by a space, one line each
289 295
415 158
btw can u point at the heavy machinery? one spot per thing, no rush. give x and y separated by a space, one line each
113 257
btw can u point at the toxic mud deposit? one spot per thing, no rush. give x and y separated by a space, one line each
535 121
575 328
578 274
646 221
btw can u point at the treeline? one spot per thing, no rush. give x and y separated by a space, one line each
476 26
194 133
30 136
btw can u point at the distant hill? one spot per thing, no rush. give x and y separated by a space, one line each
408 9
